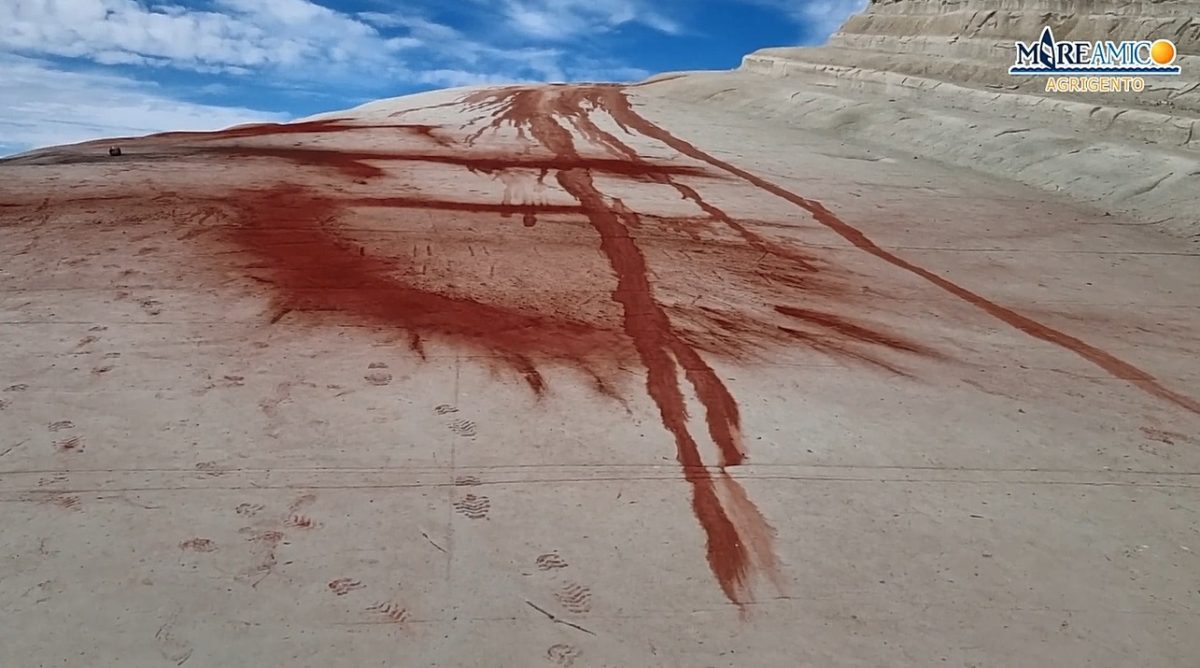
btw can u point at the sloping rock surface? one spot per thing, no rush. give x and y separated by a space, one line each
816 363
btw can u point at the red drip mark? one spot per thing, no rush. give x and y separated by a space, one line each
415 344
662 351
357 163
429 132
582 122
532 376
324 126
617 104
853 331
353 165
504 210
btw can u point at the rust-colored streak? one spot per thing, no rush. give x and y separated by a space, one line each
323 126
356 163
582 122
617 103
854 331
503 210
661 350
353 165
416 345
312 271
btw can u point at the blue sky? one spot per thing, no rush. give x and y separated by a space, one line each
78 69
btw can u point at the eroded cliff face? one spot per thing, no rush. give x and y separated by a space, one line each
930 78
1004 19
970 44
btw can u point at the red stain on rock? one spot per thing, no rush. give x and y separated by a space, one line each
312 271
298 240
618 105
842 329
664 353
360 163
323 126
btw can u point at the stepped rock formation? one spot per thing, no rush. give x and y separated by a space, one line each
866 354
930 77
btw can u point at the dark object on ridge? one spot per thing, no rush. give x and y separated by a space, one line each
114 151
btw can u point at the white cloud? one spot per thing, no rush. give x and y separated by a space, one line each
246 34
300 40
568 19
817 18
419 27
41 105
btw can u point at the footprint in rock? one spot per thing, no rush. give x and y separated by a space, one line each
64 501
474 507
551 561
392 611
53 480
87 341
302 501
574 598
19 387
60 425
72 444
151 306
378 377
198 545
445 409
299 521
172 649
343 586
563 654
249 509
269 537
464 428
467 481
210 468
1166 437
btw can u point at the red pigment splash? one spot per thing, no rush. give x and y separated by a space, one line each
617 104
313 271
581 120
662 351
537 111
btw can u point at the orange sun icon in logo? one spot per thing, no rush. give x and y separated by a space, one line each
1162 52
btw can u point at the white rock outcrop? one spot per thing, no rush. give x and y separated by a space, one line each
930 77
